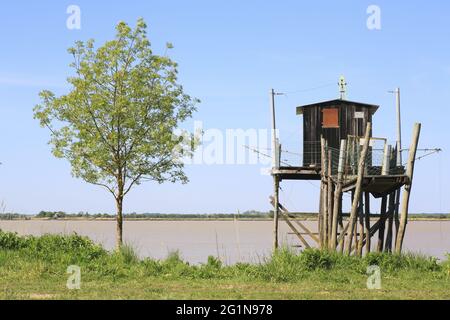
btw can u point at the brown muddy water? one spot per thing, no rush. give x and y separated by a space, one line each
232 241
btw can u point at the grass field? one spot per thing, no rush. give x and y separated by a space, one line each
35 268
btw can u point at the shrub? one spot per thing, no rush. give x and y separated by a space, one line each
213 263
11 241
408 261
73 248
128 254
312 259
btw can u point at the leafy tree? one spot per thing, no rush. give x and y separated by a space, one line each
116 125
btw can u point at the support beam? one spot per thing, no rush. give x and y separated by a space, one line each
408 187
361 227
386 160
367 221
286 212
320 217
380 245
324 194
275 211
295 230
396 212
391 210
306 230
338 195
330 199
358 190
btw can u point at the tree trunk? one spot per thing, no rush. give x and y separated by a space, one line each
119 232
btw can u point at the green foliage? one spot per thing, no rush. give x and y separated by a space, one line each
73 248
53 253
175 216
315 259
11 241
116 125
408 261
214 263
13 216
51 214
128 254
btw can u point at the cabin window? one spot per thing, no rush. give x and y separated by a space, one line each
330 118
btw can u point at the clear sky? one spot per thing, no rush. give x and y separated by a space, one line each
230 54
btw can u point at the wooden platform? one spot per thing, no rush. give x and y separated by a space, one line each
297 173
377 185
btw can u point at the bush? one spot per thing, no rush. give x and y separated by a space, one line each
408 261
213 263
73 248
312 259
11 241
128 254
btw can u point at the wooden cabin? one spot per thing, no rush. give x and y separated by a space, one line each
357 166
334 120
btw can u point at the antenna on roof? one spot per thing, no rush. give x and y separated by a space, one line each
342 88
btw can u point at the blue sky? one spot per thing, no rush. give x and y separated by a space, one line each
230 54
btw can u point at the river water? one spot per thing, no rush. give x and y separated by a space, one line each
232 241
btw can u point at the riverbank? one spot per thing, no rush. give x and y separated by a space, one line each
35 268
232 240
192 217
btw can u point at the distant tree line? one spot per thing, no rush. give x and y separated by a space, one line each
250 214
14 216
62 215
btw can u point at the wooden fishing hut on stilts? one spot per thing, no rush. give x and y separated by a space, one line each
340 152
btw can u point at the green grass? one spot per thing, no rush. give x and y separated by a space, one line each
35 267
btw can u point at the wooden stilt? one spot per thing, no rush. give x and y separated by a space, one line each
341 240
298 234
341 227
330 199
361 227
383 223
276 212
397 211
391 212
408 187
338 195
367 221
355 237
361 165
323 196
320 217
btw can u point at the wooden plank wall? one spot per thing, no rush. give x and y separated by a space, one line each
312 129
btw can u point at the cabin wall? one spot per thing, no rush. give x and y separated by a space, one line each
313 129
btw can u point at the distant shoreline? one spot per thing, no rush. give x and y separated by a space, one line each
198 219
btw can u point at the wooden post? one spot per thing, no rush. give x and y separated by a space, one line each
408 187
298 234
338 195
367 221
358 189
391 210
329 198
323 195
386 160
398 194
383 223
355 235
344 230
342 239
276 211
320 218
360 227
